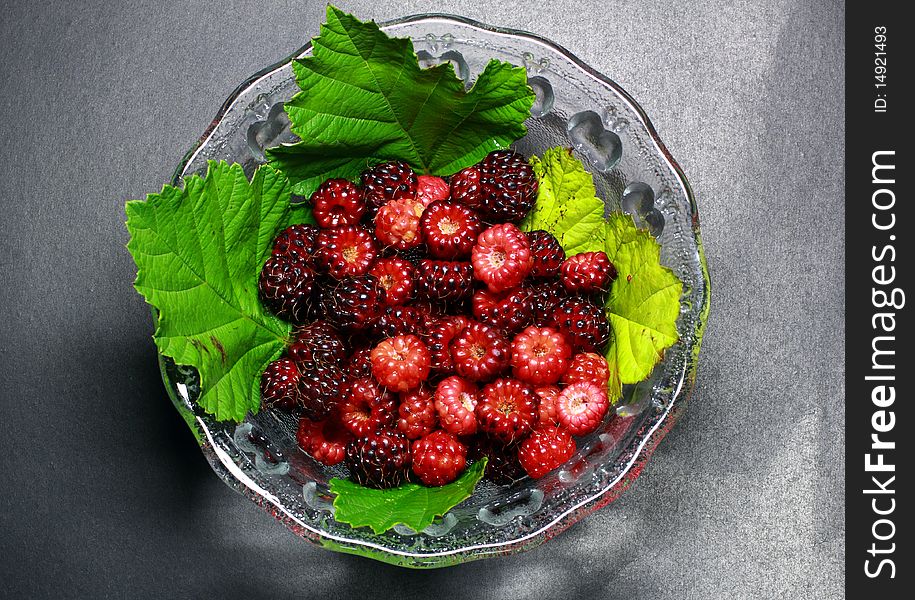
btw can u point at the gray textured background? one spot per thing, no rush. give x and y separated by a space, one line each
104 494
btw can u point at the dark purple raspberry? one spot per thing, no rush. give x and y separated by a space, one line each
316 345
544 297
320 390
503 467
546 252
447 281
387 181
510 312
354 304
440 334
400 320
279 385
465 187
588 273
299 242
379 460
286 288
583 323
505 190
360 363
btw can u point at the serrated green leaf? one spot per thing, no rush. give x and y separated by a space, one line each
644 302
365 99
413 505
566 203
199 251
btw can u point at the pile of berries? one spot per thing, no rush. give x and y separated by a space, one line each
431 331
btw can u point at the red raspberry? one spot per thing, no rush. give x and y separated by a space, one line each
397 224
508 185
430 188
540 356
507 410
479 352
319 390
316 345
379 460
286 288
401 363
584 324
545 449
360 363
543 298
449 230
366 408
455 401
465 187
549 396
501 257
440 334
388 181
298 242
354 303
439 458
396 276
337 202
442 280
588 273
587 366
400 320
546 252
417 413
346 251
509 311
280 385
325 441
502 467
582 406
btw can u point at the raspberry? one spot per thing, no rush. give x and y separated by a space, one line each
366 408
587 366
396 276
502 186
502 467
388 181
280 385
549 395
543 299
360 363
501 257
286 288
446 281
319 390
440 334
337 202
400 363
397 224
584 324
430 188
346 251
379 460
588 273
546 252
582 406
298 242
354 303
316 345
400 320
438 458
479 352
417 413
545 449
325 441
509 311
540 356
449 230
455 401
507 410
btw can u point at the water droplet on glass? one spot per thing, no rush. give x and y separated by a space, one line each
655 221
461 68
603 148
543 91
637 199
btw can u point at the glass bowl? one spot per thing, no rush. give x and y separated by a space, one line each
575 107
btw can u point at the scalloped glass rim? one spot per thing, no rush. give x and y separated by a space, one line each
638 448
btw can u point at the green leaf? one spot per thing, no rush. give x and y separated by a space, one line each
413 505
365 99
644 303
199 251
566 203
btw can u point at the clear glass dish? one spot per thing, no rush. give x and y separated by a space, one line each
576 107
